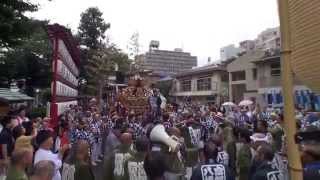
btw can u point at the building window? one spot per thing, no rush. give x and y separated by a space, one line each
204 84
275 69
186 85
238 76
254 74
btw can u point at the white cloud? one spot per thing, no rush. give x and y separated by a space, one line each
198 26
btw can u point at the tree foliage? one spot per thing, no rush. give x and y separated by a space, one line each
31 61
15 27
102 65
91 36
98 58
24 46
92 28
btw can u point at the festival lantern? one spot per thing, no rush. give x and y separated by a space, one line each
65 64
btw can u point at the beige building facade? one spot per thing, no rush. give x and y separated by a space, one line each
242 72
256 75
208 84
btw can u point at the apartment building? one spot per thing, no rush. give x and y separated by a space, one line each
207 84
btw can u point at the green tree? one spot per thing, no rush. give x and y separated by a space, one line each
102 65
31 61
92 28
15 27
91 36
23 43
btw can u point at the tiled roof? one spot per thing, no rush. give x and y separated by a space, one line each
8 96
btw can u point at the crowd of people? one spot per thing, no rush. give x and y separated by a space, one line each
180 142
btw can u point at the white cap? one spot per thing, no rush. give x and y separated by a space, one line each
259 137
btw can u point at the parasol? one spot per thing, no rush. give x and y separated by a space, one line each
245 102
229 104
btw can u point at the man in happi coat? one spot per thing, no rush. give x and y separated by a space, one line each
208 125
133 168
175 160
265 169
167 121
115 165
81 132
209 168
135 124
243 121
95 126
172 158
245 155
191 132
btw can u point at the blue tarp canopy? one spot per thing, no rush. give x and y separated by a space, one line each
168 78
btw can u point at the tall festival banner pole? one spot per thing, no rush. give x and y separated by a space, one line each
65 69
53 107
295 167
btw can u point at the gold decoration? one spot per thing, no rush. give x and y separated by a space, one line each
135 97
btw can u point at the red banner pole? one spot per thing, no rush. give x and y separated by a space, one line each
54 106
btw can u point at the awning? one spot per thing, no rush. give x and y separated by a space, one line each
168 78
9 97
303 97
278 89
